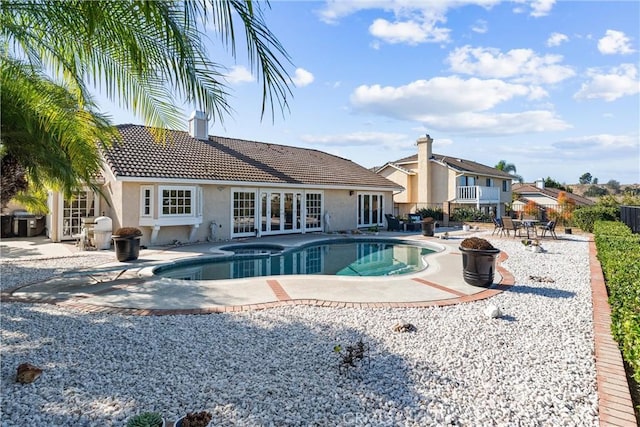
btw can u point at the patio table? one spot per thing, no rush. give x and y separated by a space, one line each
529 225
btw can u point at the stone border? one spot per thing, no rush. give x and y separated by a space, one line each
614 397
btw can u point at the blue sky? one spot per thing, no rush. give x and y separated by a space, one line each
552 87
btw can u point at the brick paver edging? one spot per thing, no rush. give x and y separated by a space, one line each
614 398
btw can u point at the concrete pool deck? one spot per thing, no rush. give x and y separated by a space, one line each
130 288
105 288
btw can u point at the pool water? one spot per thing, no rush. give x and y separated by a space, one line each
340 258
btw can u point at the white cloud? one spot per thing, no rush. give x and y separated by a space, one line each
302 78
361 139
615 42
410 32
239 74
456 105
618 82
440 95
487 124
522 65
556 39
541 7
414 21
605 147
480 26
536 93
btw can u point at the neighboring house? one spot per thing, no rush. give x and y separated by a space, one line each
199 187
437 181
544 198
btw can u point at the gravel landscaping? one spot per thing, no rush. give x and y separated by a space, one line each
534 366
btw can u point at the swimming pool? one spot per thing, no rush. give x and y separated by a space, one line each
349 257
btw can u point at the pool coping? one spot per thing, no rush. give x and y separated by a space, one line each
139 273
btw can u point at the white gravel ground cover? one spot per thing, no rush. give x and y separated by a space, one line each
534 366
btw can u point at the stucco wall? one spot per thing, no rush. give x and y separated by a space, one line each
216 208
342 209
443 180
401 178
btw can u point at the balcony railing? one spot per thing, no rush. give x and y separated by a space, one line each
477 194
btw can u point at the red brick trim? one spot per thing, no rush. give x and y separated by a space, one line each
278 290
614 398
439 287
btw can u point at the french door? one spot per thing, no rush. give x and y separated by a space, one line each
370 209
85 204
280 212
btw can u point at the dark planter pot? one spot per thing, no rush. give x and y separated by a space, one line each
479 266
127 248
178 422
427 228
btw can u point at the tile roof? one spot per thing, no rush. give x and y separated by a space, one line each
139 155
524 189
459 164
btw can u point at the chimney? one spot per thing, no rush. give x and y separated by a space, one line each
199 125
424 171
540 183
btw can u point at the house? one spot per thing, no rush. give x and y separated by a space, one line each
436 181
198 187
541 200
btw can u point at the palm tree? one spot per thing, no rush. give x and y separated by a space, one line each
508 168
47 140
144 55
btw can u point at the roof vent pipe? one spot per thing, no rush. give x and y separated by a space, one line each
199 125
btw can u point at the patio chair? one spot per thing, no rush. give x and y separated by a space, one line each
498 227
414 223
393 223
550 228
508 225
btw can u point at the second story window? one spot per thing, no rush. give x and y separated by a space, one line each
467 181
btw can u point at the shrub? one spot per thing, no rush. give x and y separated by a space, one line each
619 255
585 217
468 214
531 208
197 419
596 191
128 232
476 243
145 419
435 213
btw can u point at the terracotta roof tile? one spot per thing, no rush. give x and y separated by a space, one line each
459 164
226 159
551 192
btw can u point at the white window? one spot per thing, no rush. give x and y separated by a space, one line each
505 185
177 201
146 201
